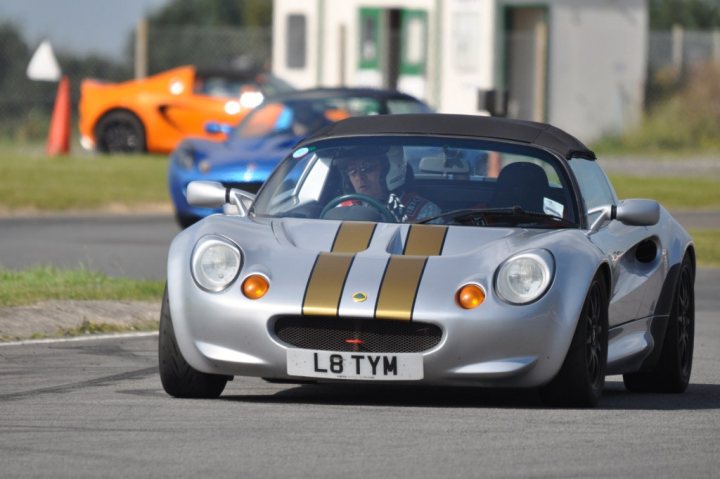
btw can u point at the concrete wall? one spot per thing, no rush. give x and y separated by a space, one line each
598 66
596 55
468 55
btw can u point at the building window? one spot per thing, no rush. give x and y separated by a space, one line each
296 41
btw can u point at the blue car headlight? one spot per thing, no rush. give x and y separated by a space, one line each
185 158
525 277
215 263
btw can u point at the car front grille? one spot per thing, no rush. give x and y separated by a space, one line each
344 334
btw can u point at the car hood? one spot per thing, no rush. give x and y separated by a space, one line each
317 267
238 151
263 238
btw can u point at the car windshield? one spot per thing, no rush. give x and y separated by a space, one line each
234 87
301 117
438 180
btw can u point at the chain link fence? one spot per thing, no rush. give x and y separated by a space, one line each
681 49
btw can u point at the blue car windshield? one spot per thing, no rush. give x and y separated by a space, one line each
300 117
438 180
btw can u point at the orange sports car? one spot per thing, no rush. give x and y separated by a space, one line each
155 113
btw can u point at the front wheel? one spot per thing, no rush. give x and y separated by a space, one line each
672 372
178 378
120 132
581 379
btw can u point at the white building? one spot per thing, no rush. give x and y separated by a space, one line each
578 64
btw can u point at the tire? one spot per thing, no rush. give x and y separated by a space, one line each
581 379
672 372
178 378
120 132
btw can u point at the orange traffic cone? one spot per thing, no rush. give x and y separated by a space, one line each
59 136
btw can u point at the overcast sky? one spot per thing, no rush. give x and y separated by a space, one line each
78 26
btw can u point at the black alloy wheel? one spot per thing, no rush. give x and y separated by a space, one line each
594 345
581 379
120 132
671 373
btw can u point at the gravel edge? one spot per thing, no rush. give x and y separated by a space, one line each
54 318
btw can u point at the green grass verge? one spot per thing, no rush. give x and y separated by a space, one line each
707 247
46 283
672 193
30 179
88 182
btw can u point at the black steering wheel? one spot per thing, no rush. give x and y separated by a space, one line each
368 200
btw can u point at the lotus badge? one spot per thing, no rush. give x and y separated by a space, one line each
359 297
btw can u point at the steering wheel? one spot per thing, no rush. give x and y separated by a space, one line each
368 200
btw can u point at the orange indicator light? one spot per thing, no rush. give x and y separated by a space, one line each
255 286
470 296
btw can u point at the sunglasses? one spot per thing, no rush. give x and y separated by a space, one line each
361 169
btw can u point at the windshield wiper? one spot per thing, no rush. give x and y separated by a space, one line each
478 215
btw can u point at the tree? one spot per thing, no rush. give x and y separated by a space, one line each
691 14
237 13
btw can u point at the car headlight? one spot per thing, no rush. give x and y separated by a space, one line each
525 277
215 263
185 158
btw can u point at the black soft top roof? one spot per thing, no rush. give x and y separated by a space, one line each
532 133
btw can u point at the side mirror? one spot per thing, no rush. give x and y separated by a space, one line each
212 194
628 212
638 212
207 194
214 128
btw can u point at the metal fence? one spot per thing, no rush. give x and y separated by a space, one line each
681 49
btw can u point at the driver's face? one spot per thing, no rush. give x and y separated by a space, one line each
365 177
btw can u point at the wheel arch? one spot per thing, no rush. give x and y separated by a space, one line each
606 275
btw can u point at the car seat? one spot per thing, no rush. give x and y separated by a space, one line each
520 184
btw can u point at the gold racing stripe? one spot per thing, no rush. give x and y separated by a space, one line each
353 237
401 280
425 240
327 279
399 287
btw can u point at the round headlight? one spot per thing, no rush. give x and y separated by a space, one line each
216 263
525 277
185 158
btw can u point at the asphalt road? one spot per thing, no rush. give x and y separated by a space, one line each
132 246
96 408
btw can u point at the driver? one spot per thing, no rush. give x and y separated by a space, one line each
382 175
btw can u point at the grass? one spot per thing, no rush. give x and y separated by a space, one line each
686 120
672 193
46 283
707 247
32 180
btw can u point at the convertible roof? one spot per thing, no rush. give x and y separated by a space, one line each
532 133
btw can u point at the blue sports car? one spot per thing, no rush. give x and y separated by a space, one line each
264 137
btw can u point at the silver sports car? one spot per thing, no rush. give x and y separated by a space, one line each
431 249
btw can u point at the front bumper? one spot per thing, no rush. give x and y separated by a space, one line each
223 334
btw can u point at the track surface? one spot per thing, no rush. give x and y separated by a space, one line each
96 409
